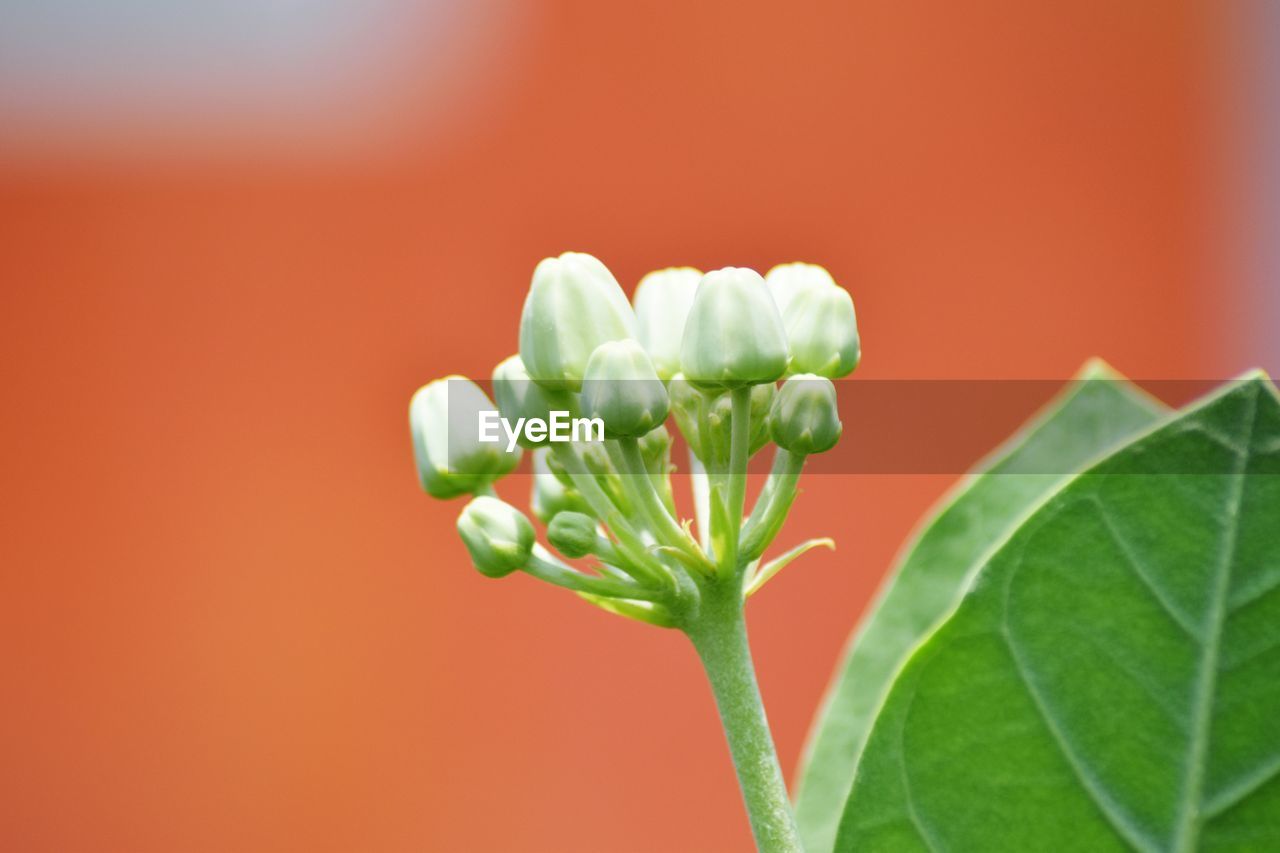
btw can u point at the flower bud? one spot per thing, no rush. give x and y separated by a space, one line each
572 534
787 281
519 397
497 535
623 390
663 299
551 493
573 306
655 450
822 330
689 406
758 433
444 421
804 418
705 418
556 466
734 335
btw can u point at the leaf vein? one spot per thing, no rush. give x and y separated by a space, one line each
1238 791
1240 602
1101 798
1139 571
1250 657
1216 437
912 814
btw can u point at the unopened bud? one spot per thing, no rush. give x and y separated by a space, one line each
655 450
663 299
444 418
822 330
734 335
705 418
805 419
787 281
622 389
758 431
689 406
519 397
574 305
551 493
497 535
572 534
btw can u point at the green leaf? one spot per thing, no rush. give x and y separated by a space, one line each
1112 679
1093 414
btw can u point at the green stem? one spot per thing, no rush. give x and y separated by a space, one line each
583 480
554 573
739 438
628 538
700 484
773 504
639 572
720 637
663 524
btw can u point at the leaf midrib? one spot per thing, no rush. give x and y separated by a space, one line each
1190 814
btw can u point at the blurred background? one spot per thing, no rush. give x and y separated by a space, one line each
235 237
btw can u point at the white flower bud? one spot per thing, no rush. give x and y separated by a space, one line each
663 299
787 281
622 389
805 418
574 305
444 421
734 335
519 397
822 330
497 535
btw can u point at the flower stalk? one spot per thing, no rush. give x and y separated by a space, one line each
720 638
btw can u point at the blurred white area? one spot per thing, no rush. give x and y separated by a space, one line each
91 78
1250 320
1266 215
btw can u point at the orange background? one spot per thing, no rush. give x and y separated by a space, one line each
230 621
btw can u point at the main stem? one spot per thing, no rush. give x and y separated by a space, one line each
720 636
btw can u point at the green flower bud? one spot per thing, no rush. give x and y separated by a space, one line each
822 330
689 406
556 466
551 494
705 418
655 449
804 418
663 299
622 389
573 306
787 281
761 404
444 422
758 433
734 335
520 397
573 534
497 535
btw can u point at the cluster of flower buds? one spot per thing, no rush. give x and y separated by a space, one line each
708 352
